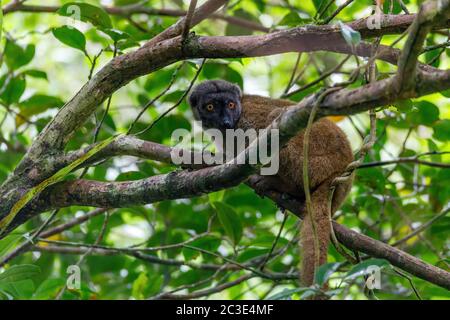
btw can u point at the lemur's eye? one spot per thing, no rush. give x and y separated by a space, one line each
231 105
209 107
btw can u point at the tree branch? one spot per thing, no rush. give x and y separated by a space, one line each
135 9
430 14
205 292
183 184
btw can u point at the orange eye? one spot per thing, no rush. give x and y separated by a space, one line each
231 105
210 107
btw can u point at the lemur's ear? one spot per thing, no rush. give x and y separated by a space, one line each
236 89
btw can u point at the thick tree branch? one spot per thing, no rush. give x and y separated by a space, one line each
184 184
430 14
199 15
396 257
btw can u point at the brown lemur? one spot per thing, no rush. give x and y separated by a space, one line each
221 105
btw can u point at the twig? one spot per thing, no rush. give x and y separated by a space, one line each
421 228
126 249
411 283
323 9
272 276
94 63
437 46
188 18
274 244
151 102
162 115
206 292
322 77
191 285
29 241
294 71
71 223
138 255
338 10
108 104
404 160
88 252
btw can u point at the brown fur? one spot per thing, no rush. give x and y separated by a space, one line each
329 153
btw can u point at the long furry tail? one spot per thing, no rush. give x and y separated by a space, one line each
322 223
319 204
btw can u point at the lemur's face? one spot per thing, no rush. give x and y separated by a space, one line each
217 104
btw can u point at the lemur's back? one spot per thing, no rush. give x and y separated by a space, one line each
330 151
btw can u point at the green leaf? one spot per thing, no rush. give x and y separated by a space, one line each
21 290
320 6
404 105
286 294
446 93
1 21
116 35
8 242
251 253
216 196
130 175
230 221
352 37
71 37
363 268
48 289
17 56
87 13
233 30
293 19
442 130
324 272
139 286
36 104
209 243
127 43
36 74
19 272
41 101
14 89
433 56
424 113
392 4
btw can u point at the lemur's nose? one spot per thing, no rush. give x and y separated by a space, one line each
228 124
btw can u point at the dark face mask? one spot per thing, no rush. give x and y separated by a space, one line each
220 111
